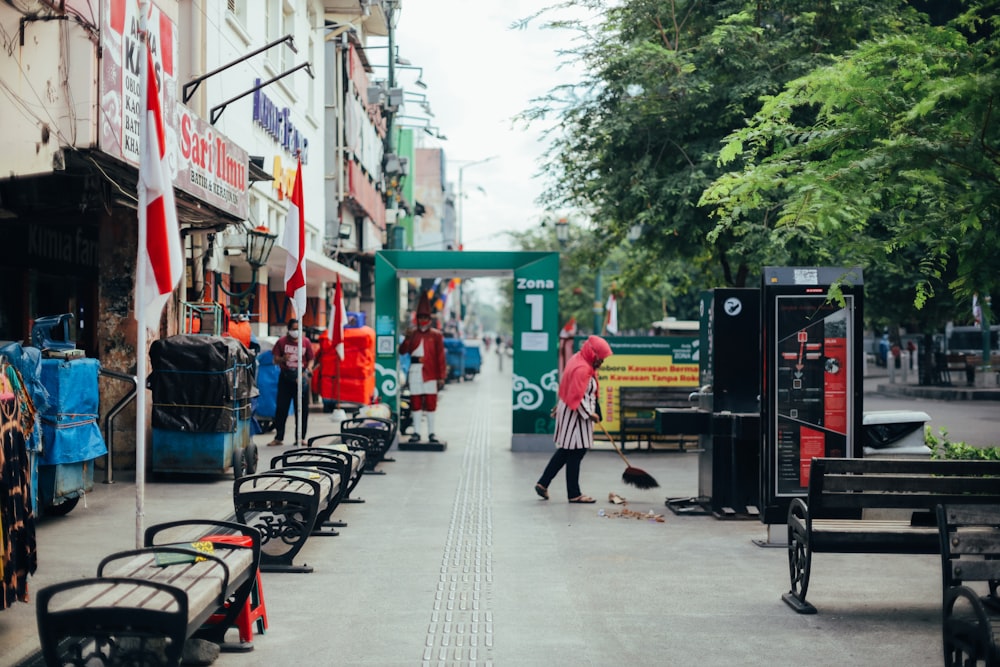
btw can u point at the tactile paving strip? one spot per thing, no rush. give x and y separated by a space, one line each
461 628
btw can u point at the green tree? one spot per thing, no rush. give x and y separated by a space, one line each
666 81
641 301
888 157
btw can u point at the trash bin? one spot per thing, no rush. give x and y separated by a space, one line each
894 434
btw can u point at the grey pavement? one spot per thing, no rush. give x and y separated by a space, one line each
453 560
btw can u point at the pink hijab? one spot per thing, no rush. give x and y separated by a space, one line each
579 370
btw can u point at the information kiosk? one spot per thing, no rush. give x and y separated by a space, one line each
812 379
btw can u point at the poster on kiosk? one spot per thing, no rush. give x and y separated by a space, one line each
812 381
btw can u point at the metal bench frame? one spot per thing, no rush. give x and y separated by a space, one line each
831 520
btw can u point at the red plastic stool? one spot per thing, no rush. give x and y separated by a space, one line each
254 609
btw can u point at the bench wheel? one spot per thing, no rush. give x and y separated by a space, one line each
799 554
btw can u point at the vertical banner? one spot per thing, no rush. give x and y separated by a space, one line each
536 343
121 61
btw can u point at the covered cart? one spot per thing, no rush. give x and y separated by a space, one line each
454 355
71 437
202 387
352 380
473 358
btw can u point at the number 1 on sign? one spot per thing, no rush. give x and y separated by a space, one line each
536 303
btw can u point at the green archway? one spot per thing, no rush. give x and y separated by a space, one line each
536 326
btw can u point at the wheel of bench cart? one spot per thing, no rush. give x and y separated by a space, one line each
63 508
799 557
245 461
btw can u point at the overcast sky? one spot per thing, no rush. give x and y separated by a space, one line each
480 73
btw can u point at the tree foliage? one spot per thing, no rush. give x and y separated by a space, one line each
666 82
888 156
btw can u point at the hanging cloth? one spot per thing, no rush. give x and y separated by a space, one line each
18 549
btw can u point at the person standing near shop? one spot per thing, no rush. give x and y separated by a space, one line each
576 413
428 369
286 358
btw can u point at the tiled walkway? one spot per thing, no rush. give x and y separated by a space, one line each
453 560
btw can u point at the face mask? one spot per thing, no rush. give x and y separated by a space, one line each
293 334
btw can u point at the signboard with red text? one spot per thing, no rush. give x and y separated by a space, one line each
203 162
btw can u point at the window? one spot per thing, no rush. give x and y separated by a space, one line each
272 19
238 8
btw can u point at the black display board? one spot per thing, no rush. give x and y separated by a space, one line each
812 379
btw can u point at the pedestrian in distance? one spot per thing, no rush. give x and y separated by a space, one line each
576 413
286 358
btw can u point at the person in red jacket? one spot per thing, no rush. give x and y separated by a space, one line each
428 370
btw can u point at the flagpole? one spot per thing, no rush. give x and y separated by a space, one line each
300 398
140 293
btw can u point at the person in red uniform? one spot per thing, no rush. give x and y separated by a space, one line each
428 370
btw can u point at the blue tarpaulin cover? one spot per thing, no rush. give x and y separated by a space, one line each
454 354
70 432
267 384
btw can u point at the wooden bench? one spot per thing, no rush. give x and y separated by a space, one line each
846 496
381 435
356 446
284 507
970 553
144 603
636 406
304 460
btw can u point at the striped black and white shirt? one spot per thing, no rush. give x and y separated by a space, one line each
574 428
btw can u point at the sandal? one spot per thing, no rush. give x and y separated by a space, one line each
542 491
582 499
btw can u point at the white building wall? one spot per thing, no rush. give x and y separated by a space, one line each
48 98
230 35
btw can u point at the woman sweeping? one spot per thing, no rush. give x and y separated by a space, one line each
575 414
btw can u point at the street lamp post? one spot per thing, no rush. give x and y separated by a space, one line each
461 194
461 224
259 243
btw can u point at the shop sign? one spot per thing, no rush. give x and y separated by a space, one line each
277 123
211 167
204 163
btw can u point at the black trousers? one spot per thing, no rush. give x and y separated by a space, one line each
571 459
285 397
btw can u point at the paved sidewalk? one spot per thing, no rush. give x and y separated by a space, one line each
453 560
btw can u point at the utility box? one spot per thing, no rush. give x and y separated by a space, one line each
729 463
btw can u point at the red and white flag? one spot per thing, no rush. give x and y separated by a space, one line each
569 330
336 330
161 262
294 242
611 315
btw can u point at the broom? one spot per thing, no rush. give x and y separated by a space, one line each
636 477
